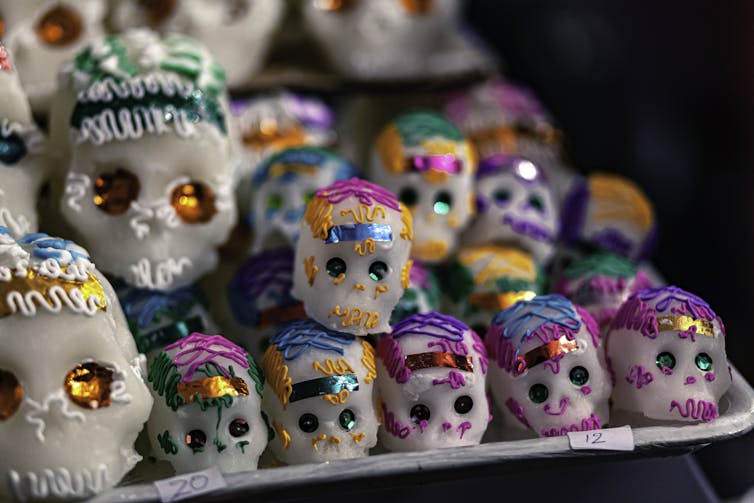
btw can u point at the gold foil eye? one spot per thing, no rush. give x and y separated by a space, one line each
60 26
11 394
113 193
417 7
194 203
88 385
157 11
335 5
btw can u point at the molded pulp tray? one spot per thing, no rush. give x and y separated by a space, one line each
398 469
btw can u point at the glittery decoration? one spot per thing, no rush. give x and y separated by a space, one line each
330 385
434 359
59 26
88 385
684 323
548 351
114 192
667 296
360 232
11 394
428 324
212 387
194 203
25 294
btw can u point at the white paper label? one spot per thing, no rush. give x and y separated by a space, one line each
610 439
189 485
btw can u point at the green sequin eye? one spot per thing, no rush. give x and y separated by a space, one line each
274 202
308 423
443 202
347 419
538 393
378 270
336 266
579 376
536 202
408 196
665 359
703 362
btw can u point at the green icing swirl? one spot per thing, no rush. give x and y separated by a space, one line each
416 127
601 264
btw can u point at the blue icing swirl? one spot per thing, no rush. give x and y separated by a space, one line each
309 156
44 247
300 336
524 318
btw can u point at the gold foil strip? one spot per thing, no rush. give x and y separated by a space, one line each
497 301
34 282
549 351
434 359
212 387
684 323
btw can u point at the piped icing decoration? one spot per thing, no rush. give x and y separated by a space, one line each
17 141
290 164
602 273
523 169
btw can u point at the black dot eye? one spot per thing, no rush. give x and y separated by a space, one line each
347 419
419 413
579 376
538 393
501 197
336 266
463 404
196 439
12 149
664 360
308 423
703 362
537 202
408 196
443 203
377 270
238 428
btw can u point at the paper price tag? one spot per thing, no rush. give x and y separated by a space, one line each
189 485
610 439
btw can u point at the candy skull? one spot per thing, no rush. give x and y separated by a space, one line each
72 399
319 394
42 34
611 213
283 186
422 295
600 283
548 374
432 384
426 161
666 352
237 32
485 279
260 298
381 38
352 264
207 406
21 154
516 206
151 179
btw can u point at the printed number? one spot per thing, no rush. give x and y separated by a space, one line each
189 485
594 438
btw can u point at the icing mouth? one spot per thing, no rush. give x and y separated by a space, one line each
592 422
695 409
159 275
526 228
58 483
563 407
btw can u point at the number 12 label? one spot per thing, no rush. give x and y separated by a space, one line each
610 439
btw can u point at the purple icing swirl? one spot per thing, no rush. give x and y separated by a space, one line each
197 350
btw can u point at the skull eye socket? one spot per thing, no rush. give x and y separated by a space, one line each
537 202
88 385
12 148
194 203
579 376
11 394
502 197
463 404
195 440
238 428
443 203
419 413
408 196
336 266
274 203
157 11
114 192
347 419
703 362
237 9
538 393
59 26
378 270
665 360
335 5
418 7
308 423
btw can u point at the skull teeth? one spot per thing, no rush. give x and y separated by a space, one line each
58 483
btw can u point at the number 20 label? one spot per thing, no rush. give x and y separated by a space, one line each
189 485
609 439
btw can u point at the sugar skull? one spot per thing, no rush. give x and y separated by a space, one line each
152 171
237 32
72 399
428 163
283 186
319 394
600 283
516 206
381 38
666 353
42 35
351 264
609 212
549 374
422 295
259 297
483 280
22 146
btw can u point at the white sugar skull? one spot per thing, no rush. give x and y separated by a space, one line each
666 352
422 295
72 399
426 161
431 390
259 297
515 206
42 35
600 283
609 212
381 38
207 406
486 279
151 178
548 373
22 162
283 186
319 394
237 32
351 263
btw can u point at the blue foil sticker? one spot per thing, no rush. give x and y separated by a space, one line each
359 232
331 385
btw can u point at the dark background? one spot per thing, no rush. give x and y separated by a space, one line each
662 92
